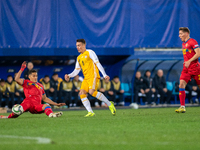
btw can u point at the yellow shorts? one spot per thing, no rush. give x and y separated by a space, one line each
92 83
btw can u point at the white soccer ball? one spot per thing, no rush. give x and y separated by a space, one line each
17 109
134 105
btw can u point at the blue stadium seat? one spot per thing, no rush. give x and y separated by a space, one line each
169 86
127 90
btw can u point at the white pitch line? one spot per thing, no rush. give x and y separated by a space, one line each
39 140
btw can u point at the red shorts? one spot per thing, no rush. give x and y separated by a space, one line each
32 107
192 72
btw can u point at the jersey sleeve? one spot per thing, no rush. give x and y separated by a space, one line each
194 44
43 92
24 83
95 59
76 70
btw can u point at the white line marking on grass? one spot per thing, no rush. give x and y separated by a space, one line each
39 140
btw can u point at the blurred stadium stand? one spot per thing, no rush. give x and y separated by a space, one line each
126 35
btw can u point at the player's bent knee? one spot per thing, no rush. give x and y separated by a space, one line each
94 94
83 96
182 86
45 105
82 92
91 92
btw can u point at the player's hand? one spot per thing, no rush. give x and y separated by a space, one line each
142 91
23 66
187 63
107 78
60 104
66 77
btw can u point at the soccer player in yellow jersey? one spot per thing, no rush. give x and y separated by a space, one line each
89 63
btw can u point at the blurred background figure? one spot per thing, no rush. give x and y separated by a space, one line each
10 84
29 67
192 89
53 91
118 92
160 84
46 84
140 86
4 93
107 89
76 88
65 92
150 88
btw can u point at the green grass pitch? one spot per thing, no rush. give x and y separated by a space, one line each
142 129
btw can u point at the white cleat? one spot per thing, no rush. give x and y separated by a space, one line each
57 114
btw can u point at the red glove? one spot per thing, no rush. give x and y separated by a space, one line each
23 66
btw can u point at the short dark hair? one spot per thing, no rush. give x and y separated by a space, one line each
81 40
54 74
9 76
115 77
2 80
46 76
184 29
32 71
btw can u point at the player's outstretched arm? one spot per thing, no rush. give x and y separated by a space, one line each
47 100
74 73
95 59
18 75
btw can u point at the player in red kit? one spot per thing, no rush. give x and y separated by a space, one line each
191 65
34 93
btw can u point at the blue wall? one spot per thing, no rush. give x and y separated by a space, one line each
103 23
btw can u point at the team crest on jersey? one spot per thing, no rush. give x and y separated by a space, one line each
36 85
186 44
85 56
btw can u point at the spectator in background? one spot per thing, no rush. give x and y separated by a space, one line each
19 91
66 92
29 67
160 84
11 85
76 88
192 86
107 90
59 81
4 93
150 88
46 84
53 91
140 86
117 90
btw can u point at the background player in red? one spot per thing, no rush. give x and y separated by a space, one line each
34 93
191 65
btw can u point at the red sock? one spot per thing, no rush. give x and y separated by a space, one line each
48 110
182 96
12 115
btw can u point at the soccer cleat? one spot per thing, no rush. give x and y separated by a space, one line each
180 110
90 114
112 108
3 117
57 114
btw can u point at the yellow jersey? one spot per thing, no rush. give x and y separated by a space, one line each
87 65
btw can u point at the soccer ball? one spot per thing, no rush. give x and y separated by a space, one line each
17 109
134 105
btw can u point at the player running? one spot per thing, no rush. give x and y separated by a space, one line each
90 65
34 93
191 66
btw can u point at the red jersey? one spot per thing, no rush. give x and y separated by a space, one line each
188 49
33 91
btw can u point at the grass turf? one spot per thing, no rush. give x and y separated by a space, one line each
158 128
